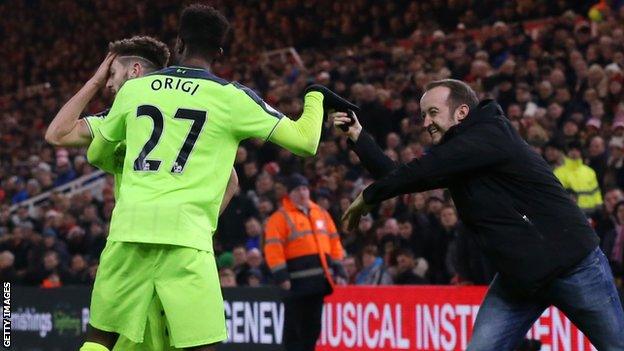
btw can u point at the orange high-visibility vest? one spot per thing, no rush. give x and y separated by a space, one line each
302 247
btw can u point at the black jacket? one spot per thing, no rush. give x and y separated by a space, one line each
505 193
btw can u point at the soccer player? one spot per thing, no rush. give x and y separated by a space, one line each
182 126
127 58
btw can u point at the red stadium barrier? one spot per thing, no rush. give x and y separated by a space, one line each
423 318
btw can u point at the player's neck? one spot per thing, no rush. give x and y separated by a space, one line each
195 62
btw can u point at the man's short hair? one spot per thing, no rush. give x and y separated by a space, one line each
370 250
151 51
203 30
460 93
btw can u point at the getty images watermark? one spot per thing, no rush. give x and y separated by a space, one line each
6 315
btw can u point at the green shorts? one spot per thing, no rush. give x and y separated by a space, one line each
156 332
184 279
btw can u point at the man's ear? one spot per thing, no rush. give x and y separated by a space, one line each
217 54
462 112
136 70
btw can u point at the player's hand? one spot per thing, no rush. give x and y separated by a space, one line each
331 100
285 285
343 121
101 75
355 212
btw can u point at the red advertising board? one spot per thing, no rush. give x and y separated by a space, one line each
423 318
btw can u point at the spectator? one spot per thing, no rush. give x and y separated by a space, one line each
65 172
442 237
239 255
350 267
48 273
613 243
597 156
615 163
97 240
468 264
354 242
410 271
231 226
17 244
227 278
391 239
253 229
373 271
7 270
580 179
78 272
254 266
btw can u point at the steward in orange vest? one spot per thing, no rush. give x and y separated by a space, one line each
301 242
303 250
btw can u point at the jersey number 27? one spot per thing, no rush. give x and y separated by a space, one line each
142 163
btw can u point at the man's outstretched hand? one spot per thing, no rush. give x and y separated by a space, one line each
353 214
331 100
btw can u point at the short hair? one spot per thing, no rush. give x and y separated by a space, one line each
151 51
370 250
460 93
203 29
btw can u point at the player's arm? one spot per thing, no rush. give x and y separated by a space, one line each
476 149
104 150
301 137
66 129
231 189
254 118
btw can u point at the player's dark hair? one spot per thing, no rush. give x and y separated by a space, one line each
151 51
461 93
203 30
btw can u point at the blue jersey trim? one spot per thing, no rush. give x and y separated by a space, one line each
258 100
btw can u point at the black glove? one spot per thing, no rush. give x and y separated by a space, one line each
331 100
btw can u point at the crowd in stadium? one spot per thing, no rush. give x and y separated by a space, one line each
561 85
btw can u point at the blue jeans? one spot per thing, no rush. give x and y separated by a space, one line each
586 294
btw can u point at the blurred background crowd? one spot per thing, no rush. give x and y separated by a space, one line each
559 77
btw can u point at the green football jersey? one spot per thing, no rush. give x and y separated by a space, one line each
182 127
93 123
